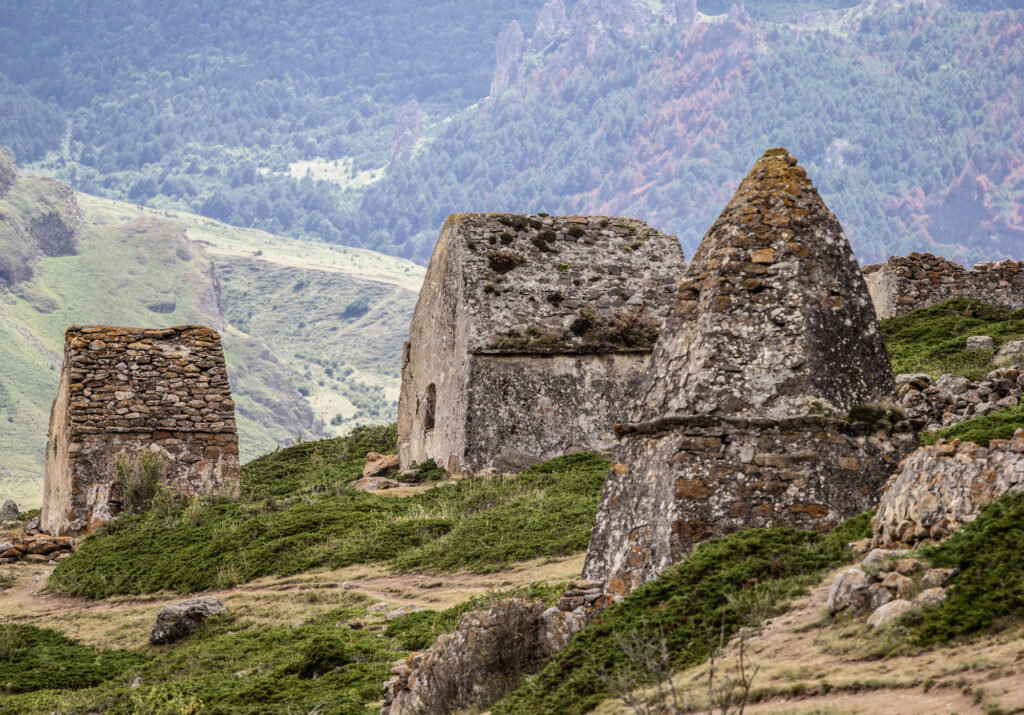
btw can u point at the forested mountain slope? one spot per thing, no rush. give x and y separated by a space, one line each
311 332
281 116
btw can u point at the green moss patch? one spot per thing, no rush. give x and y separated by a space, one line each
933 340
690 606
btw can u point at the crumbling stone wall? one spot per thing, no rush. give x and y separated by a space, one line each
529 333
773 335
943 487
906 283
683 480
124 391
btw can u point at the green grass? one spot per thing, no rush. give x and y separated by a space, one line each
716 590
998 425
228 666
38 658
933 340
297 514
990 585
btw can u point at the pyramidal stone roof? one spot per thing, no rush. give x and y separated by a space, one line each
772 315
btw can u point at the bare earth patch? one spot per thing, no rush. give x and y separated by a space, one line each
807 664
125 621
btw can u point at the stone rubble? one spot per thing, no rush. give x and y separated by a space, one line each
37 549
880 585
953 399
943 487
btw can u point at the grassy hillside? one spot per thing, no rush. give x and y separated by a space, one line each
141 267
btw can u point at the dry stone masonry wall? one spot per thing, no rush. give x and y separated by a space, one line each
127 391
943 487
773 322
952 398
906 283
529 334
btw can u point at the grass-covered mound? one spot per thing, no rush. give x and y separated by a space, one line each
990 585
933 340
691 606
982 430
297 513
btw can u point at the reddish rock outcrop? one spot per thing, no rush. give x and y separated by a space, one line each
509 56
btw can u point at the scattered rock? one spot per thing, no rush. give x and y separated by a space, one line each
374 484
979 342
179 620
877 557
380 607
878 595
902 585
889 612
907 566
379 465
935 578
849 592
1013 350
9 510
930 596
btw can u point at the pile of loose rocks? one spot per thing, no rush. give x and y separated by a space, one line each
886 584
38 548
952 398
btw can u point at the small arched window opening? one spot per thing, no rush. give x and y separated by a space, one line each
431 407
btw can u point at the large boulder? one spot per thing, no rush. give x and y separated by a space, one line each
9 510
182 619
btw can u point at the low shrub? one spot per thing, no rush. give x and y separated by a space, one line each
982 430
297 513
691 606
990 584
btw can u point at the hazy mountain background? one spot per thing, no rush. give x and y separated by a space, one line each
273 139
282 115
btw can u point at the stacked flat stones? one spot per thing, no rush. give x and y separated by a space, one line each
125 391
922 279
771 311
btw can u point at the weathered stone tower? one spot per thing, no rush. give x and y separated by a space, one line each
530 334
772 336
126 391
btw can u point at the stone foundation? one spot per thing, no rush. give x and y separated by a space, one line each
128 391
683 480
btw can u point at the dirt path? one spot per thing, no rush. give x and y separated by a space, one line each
125 621
807 664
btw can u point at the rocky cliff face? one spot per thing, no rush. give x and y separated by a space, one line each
407 131
38 217
551 21
594 24
510 54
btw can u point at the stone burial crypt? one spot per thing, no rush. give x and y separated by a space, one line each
126 392
530 334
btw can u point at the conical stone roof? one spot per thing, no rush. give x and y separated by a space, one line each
773 314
